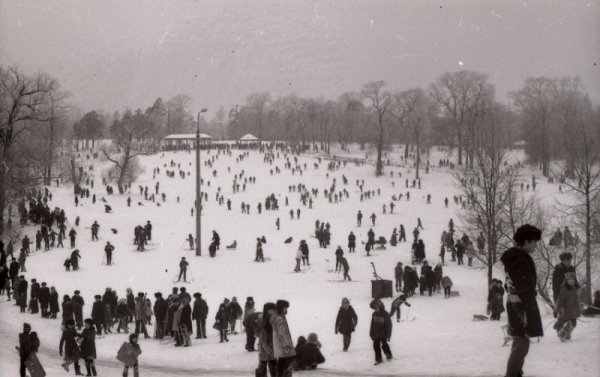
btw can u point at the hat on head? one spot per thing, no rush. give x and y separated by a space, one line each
566 256
89 321
97 296
70 322
281 304
345 299
77 292
527 233
26 326
197 295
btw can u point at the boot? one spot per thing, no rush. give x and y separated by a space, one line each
94 370
87 369
78 370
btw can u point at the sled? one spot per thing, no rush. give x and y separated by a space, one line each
288 240
127 354
233 246
184 336
478 317
34 366
454 293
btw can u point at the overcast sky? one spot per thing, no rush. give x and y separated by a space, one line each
116 54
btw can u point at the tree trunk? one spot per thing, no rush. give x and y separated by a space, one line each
379 163
588 246
406 150
418 159
48 180
460 147
124 166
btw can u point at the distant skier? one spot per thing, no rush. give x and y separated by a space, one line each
95 228
351 243
183 266
359 217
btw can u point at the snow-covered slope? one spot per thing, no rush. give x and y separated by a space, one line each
442 340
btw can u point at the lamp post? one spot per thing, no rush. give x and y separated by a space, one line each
198 194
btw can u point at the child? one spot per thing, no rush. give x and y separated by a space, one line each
300 344
68 264
148 311
447 284
567 307
396 306
380 331
311 354
496 299
128 354
222 323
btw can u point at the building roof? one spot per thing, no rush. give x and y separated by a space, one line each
248 137
186 136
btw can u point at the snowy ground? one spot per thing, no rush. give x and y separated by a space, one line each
442 340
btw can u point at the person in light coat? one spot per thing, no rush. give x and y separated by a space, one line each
283 345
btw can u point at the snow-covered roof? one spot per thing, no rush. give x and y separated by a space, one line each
248 137
187 136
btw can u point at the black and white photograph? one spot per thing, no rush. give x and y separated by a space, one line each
316 188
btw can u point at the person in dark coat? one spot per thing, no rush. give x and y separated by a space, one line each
130 303
396 304
398 275
568 307
88 346
299 349
235 313
77 302
75 257
21 293
524 320
44 299
199 314
98 313
71 349
160 315
351 242
186 316
380 331
496 300
54 307
222 322
345 322
311 354
67 309
28 344
561 269
216 240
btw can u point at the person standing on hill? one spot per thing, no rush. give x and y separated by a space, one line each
28 344
183 265
359 217
381 331
351 243
283 345
561 269
108 249
345 322
524 320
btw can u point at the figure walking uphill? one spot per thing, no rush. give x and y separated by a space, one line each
345 322
567 307
381 330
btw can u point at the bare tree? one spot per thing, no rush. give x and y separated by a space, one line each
583 149
412 109
23 99
460 94
258 102
127 134
380 102
536 103
485 187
